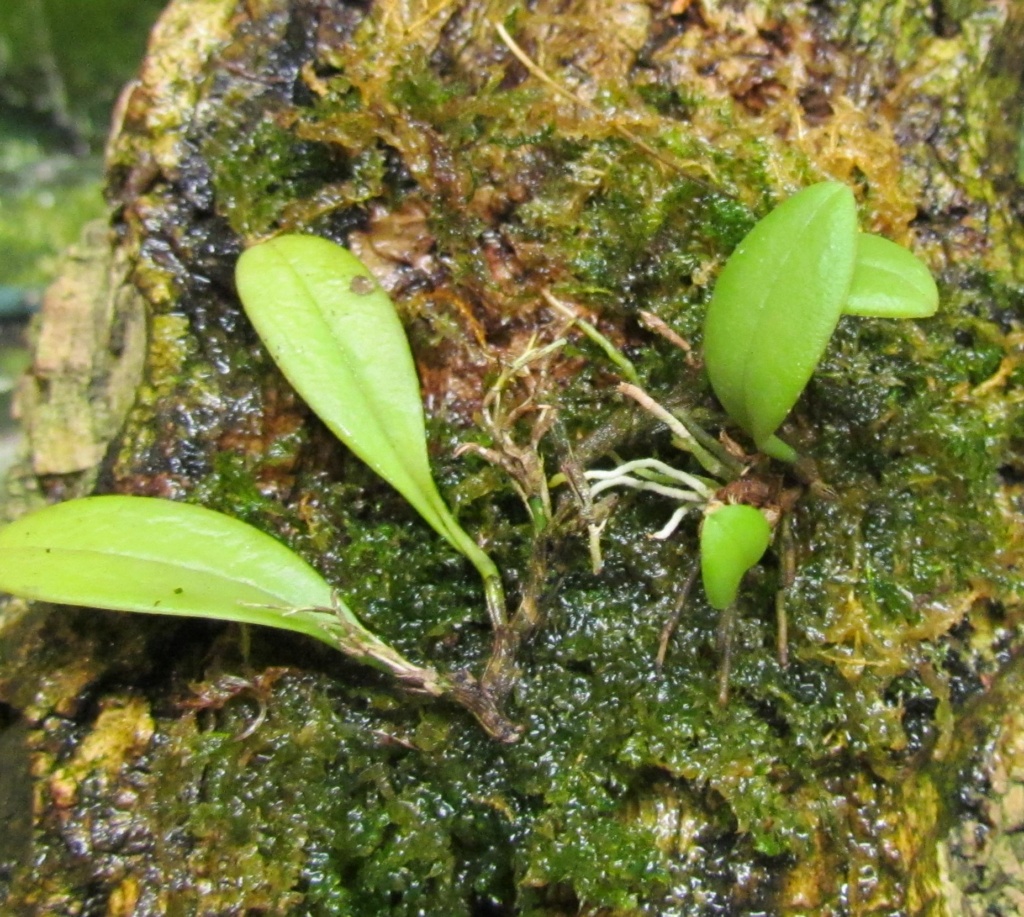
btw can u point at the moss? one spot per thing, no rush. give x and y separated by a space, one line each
632 790
259 170
424 847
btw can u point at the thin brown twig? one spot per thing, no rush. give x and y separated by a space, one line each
677 610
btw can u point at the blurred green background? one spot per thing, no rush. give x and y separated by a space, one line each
62 66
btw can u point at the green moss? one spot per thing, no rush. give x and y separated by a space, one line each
632 790
260 170
366 825
883 571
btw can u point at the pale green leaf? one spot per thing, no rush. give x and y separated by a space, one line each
337 338
733 539
775 305
149 555
890 282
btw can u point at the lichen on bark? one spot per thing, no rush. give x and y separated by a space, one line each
270 776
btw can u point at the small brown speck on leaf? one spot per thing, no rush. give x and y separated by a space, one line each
361 284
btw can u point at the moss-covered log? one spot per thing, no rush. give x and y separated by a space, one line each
607 156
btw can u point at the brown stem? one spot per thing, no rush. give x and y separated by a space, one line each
354 640
502 669
470 694
677 610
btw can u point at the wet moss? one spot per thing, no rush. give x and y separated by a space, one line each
260 170
472 187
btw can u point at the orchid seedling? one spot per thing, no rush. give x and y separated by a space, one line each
336 336
774 308
157 556
154 556
781 294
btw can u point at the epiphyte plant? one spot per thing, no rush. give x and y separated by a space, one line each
156 556
145 554
336 336
780 296
733 538
774 308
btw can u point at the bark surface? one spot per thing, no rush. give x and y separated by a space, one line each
607 157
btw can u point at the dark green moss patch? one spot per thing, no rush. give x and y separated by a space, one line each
473 188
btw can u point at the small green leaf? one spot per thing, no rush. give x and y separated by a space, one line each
733 539
780 297
890 282
155 556
776 304
337 338
148 555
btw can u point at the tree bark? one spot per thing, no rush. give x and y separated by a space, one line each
607 156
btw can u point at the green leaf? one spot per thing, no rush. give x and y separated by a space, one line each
890 282
149 555
775 306
733 539
155 556
337 338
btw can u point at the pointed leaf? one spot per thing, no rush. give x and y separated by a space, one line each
732 540
150 555
890 282
776 304
337 338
